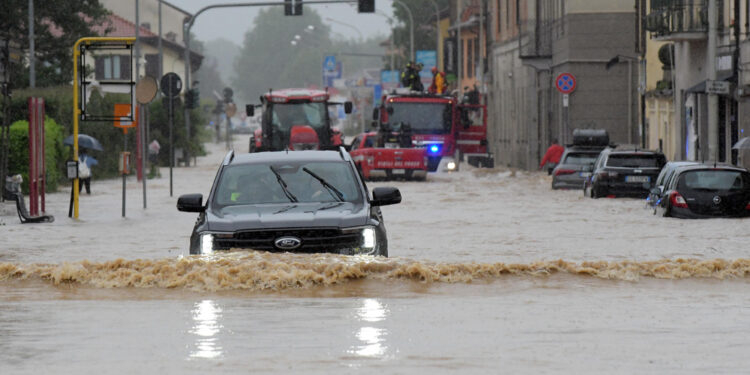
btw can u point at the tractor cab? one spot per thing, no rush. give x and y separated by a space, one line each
295 119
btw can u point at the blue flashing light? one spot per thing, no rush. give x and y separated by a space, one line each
434 149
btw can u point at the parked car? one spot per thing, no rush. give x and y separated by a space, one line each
578 158
705 191
622 172
669 169
302 201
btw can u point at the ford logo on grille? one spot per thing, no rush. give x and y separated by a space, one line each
717 199
288 243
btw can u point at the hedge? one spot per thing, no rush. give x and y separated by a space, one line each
54 153
59 106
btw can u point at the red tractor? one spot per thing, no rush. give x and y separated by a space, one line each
449 130
295 119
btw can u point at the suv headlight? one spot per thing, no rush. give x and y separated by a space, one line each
368 240
207 243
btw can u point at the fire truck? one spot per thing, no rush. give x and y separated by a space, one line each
295 119
450 131
389 154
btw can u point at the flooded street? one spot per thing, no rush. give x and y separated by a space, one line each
490 271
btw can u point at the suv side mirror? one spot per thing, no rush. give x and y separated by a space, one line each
250 110
384 196
190 203
348 107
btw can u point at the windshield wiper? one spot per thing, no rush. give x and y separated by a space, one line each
283 185
336 193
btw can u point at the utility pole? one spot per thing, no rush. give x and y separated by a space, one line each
713 99
161 49
459 52
140 116
32 62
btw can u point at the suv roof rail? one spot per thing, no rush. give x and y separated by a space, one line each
228 159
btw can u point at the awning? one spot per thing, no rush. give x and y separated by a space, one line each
701 87
471 22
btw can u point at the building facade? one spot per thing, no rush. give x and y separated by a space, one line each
535 41
710 96
172 36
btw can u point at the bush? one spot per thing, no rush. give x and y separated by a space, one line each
54 153
59 105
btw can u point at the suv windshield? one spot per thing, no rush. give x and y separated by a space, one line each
634 161
286 115
424 118
713 180
580 158
258 184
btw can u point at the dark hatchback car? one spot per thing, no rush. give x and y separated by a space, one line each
575 163
624 173
704 191
574 167
301 201
666 173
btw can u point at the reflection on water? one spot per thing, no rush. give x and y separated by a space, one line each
206 326
372 338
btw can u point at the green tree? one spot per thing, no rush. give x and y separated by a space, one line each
269 60
57 26
425 25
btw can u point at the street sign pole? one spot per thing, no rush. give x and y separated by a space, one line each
171 85
171 140
566 84
125 149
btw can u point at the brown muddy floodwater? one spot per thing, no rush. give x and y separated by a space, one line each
491 272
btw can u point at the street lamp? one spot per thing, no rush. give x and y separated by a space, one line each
437 25
411 28
393 44
329 19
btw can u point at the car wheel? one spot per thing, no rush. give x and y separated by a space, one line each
594 193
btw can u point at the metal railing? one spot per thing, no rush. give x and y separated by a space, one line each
667 17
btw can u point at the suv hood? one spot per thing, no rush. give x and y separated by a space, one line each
301 215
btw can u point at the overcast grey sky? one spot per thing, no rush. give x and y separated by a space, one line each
232 23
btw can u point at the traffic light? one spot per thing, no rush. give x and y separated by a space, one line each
219 109
366 6
292 7
228 94
192 99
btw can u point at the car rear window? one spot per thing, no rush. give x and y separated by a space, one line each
580 158
713 180
634 161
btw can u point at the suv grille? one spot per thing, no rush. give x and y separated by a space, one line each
318 240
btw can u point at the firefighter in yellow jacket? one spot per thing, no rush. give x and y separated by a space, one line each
438 85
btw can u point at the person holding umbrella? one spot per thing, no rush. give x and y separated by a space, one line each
85 161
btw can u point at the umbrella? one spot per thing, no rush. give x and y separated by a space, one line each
86 141
742 144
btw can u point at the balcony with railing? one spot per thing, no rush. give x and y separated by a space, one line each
678 19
